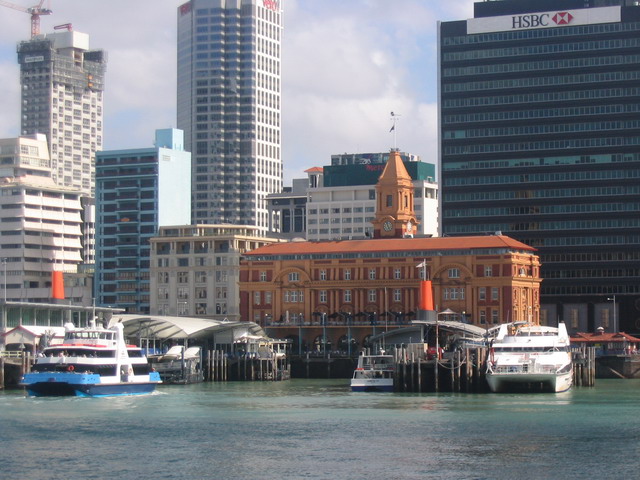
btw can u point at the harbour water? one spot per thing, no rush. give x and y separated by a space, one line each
319 429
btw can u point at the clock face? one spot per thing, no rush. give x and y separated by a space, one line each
388 226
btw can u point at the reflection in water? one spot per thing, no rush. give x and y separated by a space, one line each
319 429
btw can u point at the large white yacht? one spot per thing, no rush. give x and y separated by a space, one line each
524 357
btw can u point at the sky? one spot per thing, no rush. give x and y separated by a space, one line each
346 65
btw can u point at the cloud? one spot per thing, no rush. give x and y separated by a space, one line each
346 66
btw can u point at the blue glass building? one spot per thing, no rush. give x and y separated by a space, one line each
137 191
540 139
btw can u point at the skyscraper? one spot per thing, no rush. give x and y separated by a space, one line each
540 139
229 106
62 85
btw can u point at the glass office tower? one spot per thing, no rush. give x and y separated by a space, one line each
540 139
229 106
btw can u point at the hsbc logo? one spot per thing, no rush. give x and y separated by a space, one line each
538 20
562 18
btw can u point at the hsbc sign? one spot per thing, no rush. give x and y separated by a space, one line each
529 21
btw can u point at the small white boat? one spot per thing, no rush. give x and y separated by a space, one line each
525 357
374 373
91 362
179 365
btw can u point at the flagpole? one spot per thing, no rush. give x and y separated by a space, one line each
394 117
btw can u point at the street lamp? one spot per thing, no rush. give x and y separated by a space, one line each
615 326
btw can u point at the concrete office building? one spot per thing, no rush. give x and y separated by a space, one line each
229 106
540 140
137 191
62 97
195 269
40 225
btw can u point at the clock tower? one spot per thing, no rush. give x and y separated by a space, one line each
395 217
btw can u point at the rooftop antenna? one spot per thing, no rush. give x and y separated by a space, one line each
394 119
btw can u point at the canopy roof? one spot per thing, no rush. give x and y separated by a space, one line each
166 327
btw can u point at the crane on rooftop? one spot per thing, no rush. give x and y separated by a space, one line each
36 12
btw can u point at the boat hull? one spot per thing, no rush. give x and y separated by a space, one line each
554 383
59 384
372 385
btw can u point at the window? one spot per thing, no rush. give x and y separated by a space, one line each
495 293
372 274
488 271
347 296
397 273
183 277
323 274
322 296
454 273
347 274
267 298
397 295
483 317
494 316
482 293
256 298
372 295
294 277
163 277
263 276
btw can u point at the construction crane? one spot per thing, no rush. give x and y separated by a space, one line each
36 11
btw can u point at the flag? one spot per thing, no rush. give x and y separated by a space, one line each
392 128
423 264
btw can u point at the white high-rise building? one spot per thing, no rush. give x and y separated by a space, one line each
229 107
40 225
62 87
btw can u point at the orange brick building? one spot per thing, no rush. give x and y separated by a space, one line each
339 293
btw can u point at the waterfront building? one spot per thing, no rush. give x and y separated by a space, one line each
539 140
320 292
341 203
194 269
137 191
62 84
229 106
41 225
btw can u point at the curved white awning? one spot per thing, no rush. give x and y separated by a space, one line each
167 327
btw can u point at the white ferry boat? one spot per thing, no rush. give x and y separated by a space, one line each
91 362
374 373
530 358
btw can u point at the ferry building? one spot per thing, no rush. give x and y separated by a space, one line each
339 292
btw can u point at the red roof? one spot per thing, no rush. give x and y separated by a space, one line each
314 169
598 337
392 245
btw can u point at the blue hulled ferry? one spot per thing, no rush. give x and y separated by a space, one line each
91 362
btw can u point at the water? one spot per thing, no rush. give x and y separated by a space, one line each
318 429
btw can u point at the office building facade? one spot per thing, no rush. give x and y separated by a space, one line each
137 191
228 105
195 269
62 84
540 140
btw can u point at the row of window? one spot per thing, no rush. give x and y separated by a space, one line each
221 276
541 161
324 221
542 49
591 192
346 274
540 113
597 142
542 209
544 129
553 65
545 177
533 81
